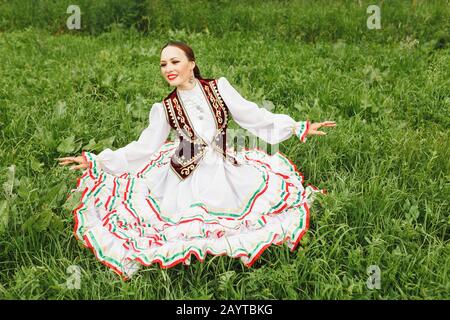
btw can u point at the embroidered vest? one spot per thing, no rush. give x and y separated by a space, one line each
192 147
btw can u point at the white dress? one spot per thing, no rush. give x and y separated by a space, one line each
134 210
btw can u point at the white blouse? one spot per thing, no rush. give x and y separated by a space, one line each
270 127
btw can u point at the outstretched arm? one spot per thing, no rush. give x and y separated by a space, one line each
134 155
271 127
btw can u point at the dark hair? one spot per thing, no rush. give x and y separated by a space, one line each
189 54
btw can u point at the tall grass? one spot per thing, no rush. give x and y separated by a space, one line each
293 20
385 165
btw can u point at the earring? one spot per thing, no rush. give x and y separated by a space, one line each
191 80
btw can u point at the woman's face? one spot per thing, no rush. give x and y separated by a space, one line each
176 69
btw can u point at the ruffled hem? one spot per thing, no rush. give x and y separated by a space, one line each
121 222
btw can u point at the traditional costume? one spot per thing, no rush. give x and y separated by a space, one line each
157 200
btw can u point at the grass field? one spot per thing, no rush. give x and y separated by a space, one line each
385 165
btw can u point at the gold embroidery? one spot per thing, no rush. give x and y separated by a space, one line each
219 100
213 105
178 175
187 170
175 123
182 119
199 155
184 125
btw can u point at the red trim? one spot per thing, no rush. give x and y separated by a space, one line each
116 234
151 162
80 178
194 252
106 218
156 212
107 202
302 138
253 260
119 272
304 230
113 194
75 212
126 190
91 165
249 264
134 247
284 156
323 191
131 212
99 182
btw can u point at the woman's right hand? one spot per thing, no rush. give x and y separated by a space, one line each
313 128
83 164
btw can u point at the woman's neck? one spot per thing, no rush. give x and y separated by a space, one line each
187 86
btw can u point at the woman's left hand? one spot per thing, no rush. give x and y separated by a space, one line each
83 164
314 126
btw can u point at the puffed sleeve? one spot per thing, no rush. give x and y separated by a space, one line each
271 127
134 155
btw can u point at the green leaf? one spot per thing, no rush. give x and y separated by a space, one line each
28 224
36 165
67 145
91 145
25 187
54 194
39 222
99 146
105 143
4 215
56 223
43 220
73 201
413 213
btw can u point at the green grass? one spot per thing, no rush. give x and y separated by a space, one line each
385 165
290 20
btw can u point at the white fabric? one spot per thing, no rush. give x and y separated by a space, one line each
134 155
272 128
216 182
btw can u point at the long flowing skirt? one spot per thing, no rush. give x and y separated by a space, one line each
151 216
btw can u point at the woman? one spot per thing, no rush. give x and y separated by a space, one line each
156 200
